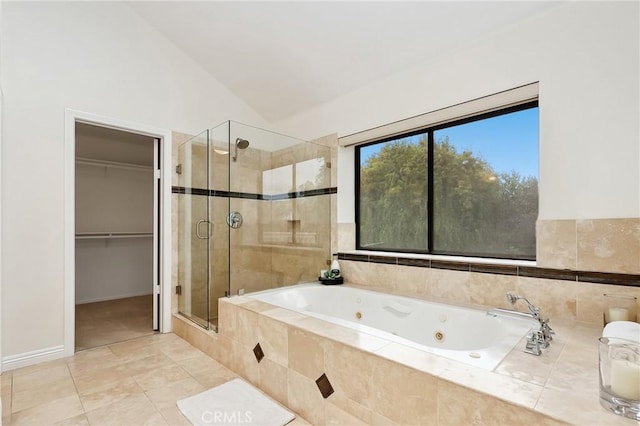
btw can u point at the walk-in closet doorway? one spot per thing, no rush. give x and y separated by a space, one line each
118 213
116 209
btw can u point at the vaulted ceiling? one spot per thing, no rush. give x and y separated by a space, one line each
282 58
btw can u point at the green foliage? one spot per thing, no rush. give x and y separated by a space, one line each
393 190
476 211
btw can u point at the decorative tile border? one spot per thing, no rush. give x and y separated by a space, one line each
252 196
630 280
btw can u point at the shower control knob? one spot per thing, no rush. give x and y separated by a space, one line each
234 219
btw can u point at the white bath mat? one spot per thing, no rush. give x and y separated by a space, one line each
233 403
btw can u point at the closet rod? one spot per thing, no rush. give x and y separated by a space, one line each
109 235
112 164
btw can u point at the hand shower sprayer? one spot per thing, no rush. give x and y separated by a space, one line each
537 339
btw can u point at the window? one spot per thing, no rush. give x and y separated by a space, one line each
468 187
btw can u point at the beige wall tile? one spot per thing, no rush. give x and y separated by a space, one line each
591 302
458 405
582 408
418 401
244 362
490 289
346 236
337 416
349 371
354 272
411 281
305 398
375 275
488 384
247 332
226 351
379 420
227 318
609 245
450 285
306 353
555 298
351 407
556 244
273 337
273 380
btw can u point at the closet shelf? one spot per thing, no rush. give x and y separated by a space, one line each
112 164
108 235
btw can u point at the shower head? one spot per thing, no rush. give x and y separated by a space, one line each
240 144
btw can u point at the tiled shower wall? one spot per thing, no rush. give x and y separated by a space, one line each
256 264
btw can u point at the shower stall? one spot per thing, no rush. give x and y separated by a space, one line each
254 212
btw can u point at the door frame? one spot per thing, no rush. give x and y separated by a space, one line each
71 118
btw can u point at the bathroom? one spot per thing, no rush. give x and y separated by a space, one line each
584 56
299 349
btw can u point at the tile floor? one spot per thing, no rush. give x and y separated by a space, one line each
136 382
104 323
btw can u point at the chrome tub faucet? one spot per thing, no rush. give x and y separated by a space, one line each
536 339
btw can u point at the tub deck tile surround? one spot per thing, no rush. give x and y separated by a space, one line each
369 376
566 294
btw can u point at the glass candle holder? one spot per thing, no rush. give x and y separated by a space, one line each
620 376
618 307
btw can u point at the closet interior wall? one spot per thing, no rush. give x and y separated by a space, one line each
114 214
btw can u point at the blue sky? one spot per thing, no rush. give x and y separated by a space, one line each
507 142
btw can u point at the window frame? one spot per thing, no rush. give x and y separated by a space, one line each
429 131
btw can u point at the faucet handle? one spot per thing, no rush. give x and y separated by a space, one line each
535 340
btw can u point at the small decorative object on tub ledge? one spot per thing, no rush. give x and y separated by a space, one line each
330 277
619 361
536 339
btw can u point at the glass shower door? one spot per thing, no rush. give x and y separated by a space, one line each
194 229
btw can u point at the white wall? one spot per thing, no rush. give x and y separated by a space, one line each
585 55
97 57
1 115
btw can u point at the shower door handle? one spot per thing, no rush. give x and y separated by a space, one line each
200 222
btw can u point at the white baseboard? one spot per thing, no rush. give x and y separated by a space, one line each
107 298
12 362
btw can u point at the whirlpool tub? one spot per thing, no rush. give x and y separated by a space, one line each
476 337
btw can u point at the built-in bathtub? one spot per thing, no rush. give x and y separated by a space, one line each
476 337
